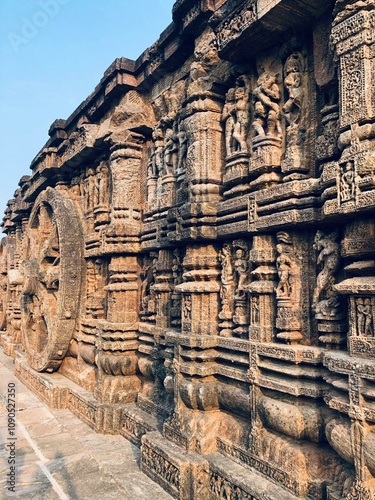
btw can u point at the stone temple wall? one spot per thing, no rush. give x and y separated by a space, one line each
191 263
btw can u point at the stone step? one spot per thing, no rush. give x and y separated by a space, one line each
60 457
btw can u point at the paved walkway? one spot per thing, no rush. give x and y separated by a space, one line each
59 457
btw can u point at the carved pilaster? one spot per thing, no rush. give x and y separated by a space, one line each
125 217
354 41
200 291
204 157
359 286
288 291
118 337
261 290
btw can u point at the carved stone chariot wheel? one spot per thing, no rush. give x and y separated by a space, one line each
52 279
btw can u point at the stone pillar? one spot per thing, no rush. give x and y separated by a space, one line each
357 248
193 384
354 42
125 217
163 288
261 289
200 291
117 362
204 160
12 339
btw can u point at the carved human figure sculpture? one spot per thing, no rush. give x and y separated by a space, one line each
241 267
228 117
170 152
266 97
242 109
284 266
182 146
329 261
364 317
227 281
293 84
347 182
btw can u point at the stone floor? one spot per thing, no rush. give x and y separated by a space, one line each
60 457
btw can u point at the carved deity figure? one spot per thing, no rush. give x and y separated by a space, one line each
102 186
177 271
147 279
236 116
242 110
186 312
347 184
329 260
286 267
266 97
228 117
255 310
182 146
89 189
176 268
156 161
293 84
170 152
294 113
241 267
364 317
227 281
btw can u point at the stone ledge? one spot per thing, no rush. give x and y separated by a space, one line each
59 392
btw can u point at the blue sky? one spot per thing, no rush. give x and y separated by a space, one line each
52 55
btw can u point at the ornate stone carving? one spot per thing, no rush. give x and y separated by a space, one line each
365 317
288 289
147 280
95 294
227 283
294 111
266 143
176 295
266 95
347 182
329 260
231 28
51 289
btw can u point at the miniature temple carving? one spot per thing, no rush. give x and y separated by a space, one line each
194 249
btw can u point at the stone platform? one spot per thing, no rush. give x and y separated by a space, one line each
60 457
63 449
